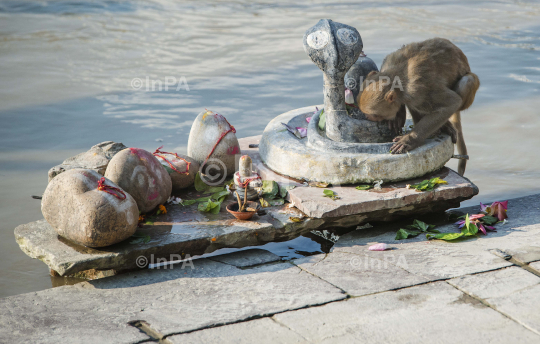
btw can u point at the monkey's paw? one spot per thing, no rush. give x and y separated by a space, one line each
404 144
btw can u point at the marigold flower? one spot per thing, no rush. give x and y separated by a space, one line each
162 209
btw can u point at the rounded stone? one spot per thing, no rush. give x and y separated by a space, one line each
344 162
180 180
245 166
358 73
205 134
140 174
79 212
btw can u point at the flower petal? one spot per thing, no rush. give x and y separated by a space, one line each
302 131
481 228
378 247
308 119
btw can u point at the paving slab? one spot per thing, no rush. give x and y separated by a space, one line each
535 266
171 301
514 292
430 313
261 331
247 258
359 275
438 259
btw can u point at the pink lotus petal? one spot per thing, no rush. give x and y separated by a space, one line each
378 247
483 207
302 131
308 119
480 226
476 216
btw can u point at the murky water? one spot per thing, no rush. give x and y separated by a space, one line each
67 69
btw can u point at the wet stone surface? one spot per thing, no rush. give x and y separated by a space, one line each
185 230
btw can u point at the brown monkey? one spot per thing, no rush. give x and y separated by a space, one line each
434 80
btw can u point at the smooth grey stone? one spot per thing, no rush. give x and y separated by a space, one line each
141 175
358 73
96 158
205 132
78 211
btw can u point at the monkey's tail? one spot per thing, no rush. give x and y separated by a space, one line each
455 119
466 88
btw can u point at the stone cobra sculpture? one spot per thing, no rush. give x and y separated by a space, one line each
334 48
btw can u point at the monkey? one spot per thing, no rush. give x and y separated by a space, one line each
434 81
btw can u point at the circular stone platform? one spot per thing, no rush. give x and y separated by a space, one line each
317 158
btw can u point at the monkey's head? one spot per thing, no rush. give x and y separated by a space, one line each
377 100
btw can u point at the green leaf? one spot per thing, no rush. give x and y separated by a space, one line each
322 120
200 186
209 207
489 220
421 225
445 236
270 189
469 230
149 223
143 239
186 202
168 168
404 234
215 189
431 230
220 196
428 184
284 189
276 202
331 194
364 187
467 221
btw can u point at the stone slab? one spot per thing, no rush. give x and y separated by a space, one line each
513 291
183 230
261 331
535 266
247 258
431 313
438 259
172 301
394 198
359 275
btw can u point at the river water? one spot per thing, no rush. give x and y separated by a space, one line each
68 71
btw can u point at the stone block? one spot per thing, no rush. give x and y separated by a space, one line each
429 313
261 331
360 275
